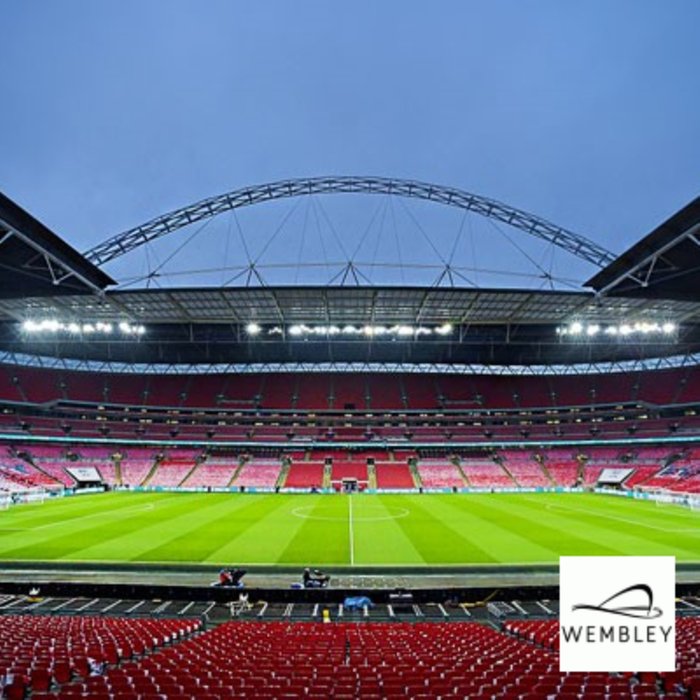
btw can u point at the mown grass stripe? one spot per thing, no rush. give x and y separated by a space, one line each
378 536
282 529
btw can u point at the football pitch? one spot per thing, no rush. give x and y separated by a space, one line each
360 530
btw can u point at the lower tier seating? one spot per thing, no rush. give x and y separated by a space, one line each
442 473
483 474
684 682
171 473
214 474
134 471
37 651
377 661
259 474
305 475
393 476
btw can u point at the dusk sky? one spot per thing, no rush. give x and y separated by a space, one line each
584 113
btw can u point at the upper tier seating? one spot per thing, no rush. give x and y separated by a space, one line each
377 391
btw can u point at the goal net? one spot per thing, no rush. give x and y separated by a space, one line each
664 497
15 498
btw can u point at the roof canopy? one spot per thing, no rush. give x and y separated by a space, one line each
35 261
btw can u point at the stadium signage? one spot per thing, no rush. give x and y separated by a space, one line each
617 614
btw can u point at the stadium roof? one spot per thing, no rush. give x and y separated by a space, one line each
48 280
37 262
665 263
211 325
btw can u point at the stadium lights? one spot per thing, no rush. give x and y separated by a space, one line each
82 328
301 330
253 329
578 329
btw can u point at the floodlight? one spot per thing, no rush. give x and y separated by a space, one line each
576 327
253 329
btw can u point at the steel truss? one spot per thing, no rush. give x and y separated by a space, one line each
44 263
654 268
640 365
127 241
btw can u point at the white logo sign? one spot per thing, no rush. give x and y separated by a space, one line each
617 614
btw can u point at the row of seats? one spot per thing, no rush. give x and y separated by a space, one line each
125 424
37 651
683 682
319 391
28 466
377 661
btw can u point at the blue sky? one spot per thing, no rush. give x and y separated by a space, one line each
584 113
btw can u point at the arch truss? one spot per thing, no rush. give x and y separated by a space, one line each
536 226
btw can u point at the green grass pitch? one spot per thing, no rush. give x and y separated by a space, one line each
362 530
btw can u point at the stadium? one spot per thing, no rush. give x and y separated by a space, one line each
430 440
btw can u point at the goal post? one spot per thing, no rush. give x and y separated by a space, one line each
15 498
665 497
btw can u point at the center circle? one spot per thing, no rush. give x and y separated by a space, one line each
371 514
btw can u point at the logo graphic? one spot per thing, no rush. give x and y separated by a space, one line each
617 614
646 611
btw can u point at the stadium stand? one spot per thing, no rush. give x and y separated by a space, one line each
440 473
171 472
215 472
486 474
350 467
37 651
240 415
52 462
682 683
259 473
305 475
18 475
524 469
564 473
502 427
134 469
640 476
391 475
310 660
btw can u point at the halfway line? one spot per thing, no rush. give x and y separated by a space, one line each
352 537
